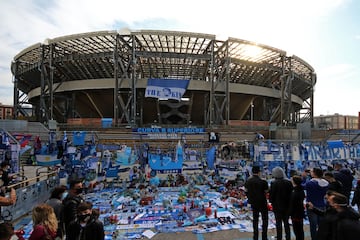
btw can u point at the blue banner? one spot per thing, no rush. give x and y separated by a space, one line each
166 88
187 130
162 161
79 138
210 157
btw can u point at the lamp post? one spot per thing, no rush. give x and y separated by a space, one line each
251 113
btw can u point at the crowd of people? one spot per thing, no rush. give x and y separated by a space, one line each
66 214
326 194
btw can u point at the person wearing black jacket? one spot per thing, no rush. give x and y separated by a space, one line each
356 198
340 222
348 223
280 193
72 201
334 185
256 190
86 226
296 208
343 175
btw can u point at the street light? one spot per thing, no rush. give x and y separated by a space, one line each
251 113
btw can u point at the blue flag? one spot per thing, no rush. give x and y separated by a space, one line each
79 138
210 157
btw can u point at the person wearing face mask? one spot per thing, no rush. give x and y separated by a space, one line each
55 201
86 226
5 177
340 221
72 201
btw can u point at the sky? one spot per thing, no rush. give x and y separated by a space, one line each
324 33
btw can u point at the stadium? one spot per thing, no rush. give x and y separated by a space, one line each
105 74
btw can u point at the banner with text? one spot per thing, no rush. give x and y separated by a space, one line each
166 88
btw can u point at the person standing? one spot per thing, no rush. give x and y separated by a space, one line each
356 198
296 208
86 226
44 222
72 201
340 222
280 193
343 175
55 201
348 220
315 189
256 190
334 185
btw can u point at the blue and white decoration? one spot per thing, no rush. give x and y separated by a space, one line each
166 88
167 163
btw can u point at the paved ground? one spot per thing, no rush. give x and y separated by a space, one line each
226 235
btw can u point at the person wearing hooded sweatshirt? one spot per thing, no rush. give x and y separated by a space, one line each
279 196
315 189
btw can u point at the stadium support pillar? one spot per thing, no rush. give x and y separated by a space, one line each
212 91
313 81
42 114
116 78
51 83
133 85
286 86
227 93
16 97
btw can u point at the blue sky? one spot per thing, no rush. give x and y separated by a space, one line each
324 33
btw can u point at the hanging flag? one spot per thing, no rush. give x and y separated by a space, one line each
5 139
93 139
65 139
166 88
210 157
179 152
79 138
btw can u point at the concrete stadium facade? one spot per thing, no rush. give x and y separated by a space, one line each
104 75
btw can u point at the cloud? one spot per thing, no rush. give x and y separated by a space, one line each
284 24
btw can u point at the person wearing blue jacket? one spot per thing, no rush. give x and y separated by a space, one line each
315 189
